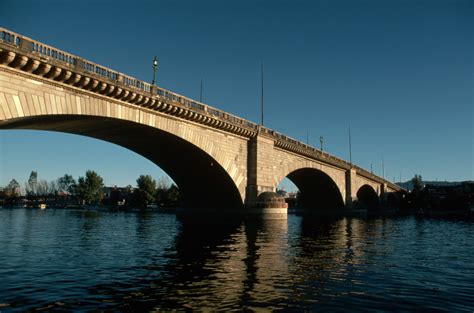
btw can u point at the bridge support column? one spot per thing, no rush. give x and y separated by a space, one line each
351 188
383 195
261 199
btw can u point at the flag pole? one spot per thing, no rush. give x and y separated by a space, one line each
261 100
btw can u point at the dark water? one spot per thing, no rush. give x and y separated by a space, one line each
67 260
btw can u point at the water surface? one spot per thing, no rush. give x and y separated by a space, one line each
66 260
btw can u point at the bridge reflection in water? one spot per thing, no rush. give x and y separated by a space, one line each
255 264
66 259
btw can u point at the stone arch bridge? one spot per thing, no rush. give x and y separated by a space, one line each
218 160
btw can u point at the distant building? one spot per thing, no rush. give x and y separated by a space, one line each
281 192
449 196
117 195
291 195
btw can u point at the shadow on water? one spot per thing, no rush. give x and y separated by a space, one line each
199 269
212 265
240 264
145 261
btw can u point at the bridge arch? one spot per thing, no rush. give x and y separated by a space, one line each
368 198
317 190
200 168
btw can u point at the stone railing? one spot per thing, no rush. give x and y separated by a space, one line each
290 144
32 56
35 57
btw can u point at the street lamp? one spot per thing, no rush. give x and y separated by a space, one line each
155 66
321 139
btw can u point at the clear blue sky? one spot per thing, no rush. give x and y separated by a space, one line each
400 73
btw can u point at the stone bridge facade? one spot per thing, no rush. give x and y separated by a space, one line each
216 159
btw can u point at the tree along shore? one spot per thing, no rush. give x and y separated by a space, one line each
89 190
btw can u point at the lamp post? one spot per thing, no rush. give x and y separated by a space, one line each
350 146
383 168
321 140
200 95
155 66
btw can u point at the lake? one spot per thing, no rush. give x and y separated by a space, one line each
63 260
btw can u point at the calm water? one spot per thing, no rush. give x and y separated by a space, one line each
75 260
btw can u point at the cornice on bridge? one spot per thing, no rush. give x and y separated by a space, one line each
31 56
39 59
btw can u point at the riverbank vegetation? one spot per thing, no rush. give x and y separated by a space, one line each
89 190
438 199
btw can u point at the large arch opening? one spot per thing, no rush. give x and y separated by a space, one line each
368 198
202 181
316 190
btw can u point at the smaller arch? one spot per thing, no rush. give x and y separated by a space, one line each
317 190
368 198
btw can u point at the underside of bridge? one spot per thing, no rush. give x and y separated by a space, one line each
368 198
203 183
317 190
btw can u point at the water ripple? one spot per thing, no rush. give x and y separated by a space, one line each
63 260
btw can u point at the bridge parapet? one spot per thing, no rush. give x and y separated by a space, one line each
35 57
298 147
